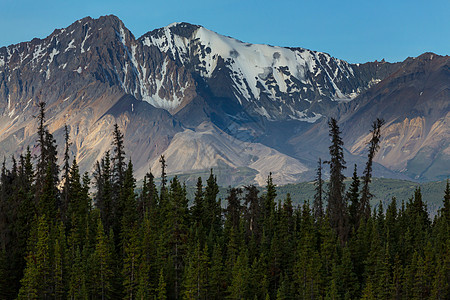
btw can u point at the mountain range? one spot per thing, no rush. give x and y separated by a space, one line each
209 101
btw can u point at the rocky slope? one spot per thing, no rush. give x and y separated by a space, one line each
196 151
414 101
206 100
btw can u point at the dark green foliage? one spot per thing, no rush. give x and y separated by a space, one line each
148 199
318 195
233 211
353 198
118 158
102 274
374 145
212 212
143 245
66 172
337 206
104 190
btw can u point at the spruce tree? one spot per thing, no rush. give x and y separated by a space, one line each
196 277
353 198
37 281
119 158
148 269
318 196
103 272
132 259
238 288
104 191
47 204
126 207
307 268
337 208
148 199
374 145
212 208
252 213
162 289
176 225
59 260
78 279
217 275
234 208
446 205
42 161
197 209
162 160
66 172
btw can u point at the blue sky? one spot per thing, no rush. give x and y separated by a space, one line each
354 30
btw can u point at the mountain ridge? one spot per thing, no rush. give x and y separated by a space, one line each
95 73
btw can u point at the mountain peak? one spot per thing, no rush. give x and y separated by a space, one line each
247 90
182 29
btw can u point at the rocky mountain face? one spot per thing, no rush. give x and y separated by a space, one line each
415 102
206 100
84 73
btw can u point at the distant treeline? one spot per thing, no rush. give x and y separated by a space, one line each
59 241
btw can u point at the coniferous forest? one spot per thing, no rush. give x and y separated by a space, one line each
66 235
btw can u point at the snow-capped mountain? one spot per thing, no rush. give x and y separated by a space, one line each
275 82
178 84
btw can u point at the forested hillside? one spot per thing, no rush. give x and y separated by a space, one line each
65 236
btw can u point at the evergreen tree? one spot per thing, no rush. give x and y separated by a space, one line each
37 282
162 160
446 205
126 208
252 213
102 286
212 208
196 277
132 259
3 275
148 200
353 199
119 158
318 196
47 192
198 209
42 161
104 191
47 204
66 172
269 203
217 275
30 281
374 145
176 225
59 269
77 279
337 208
238 288
234 208
308 261
347 277
78 205
161 291
148 275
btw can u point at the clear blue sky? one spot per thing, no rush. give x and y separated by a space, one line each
354 30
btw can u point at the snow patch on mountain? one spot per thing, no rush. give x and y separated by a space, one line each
70 46
84 40
282 74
